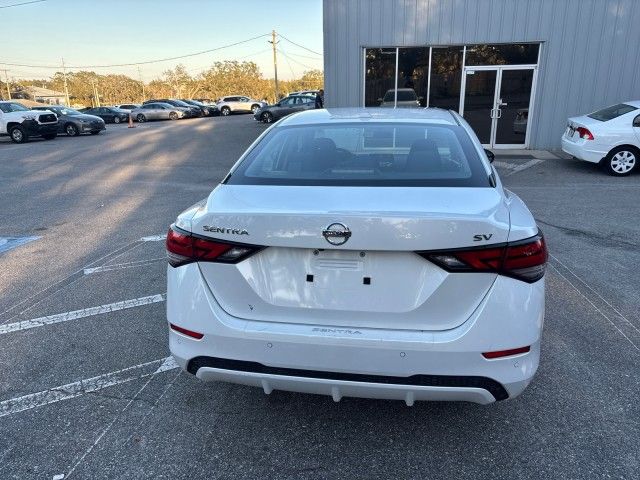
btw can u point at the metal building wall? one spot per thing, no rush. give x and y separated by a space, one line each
589 58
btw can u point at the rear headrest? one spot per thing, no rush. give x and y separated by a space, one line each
324 144
423 144
323 156
423 156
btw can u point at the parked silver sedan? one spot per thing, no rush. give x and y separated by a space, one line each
158 111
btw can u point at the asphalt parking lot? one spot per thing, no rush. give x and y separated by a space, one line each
87 389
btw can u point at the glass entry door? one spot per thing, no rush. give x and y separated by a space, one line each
479 102
496 101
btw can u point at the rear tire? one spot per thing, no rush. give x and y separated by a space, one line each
71 130
116 119
225 111
50 136
18 135
267 117
141 118
621 161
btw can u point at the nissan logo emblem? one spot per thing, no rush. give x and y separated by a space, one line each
336 234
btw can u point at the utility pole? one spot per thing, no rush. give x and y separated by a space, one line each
144 97
275 61
6 78
66 88
95 93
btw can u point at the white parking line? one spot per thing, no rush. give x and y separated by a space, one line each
7 243
517 167
85 312
121 266
154 238
89 385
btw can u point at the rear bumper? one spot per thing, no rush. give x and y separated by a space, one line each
581 150
361 362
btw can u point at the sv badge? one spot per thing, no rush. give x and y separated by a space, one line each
481 237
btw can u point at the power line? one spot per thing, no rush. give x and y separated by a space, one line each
293 75
206 67
138 63
23 3
304 56
294 60
298 45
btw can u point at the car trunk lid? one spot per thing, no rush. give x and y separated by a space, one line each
374 279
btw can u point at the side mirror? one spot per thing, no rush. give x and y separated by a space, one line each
490 155
379 100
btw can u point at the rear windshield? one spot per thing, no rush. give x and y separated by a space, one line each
363 155
612 112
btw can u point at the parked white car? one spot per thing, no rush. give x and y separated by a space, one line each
127 106
360 253
610 136
407 98
238 104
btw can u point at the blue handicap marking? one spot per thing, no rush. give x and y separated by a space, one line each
7 243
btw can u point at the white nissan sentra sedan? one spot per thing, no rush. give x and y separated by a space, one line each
610 136
360 253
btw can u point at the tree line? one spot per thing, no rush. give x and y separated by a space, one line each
221 79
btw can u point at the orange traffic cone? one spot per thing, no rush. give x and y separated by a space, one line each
131 125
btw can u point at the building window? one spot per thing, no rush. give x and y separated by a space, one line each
446 76
413 73
507 54
380 76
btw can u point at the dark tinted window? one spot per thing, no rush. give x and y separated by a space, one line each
413 71
612 112
357 154
380 72
407 95
446 75
507 54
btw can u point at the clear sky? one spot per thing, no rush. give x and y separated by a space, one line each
100 32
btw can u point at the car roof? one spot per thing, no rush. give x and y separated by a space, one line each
633 103
371 115
401 90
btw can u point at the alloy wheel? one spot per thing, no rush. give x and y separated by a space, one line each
623 162
16 135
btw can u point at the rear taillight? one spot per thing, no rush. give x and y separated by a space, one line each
183 248
584 133
524 259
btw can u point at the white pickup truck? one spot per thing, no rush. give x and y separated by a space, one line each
20 123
